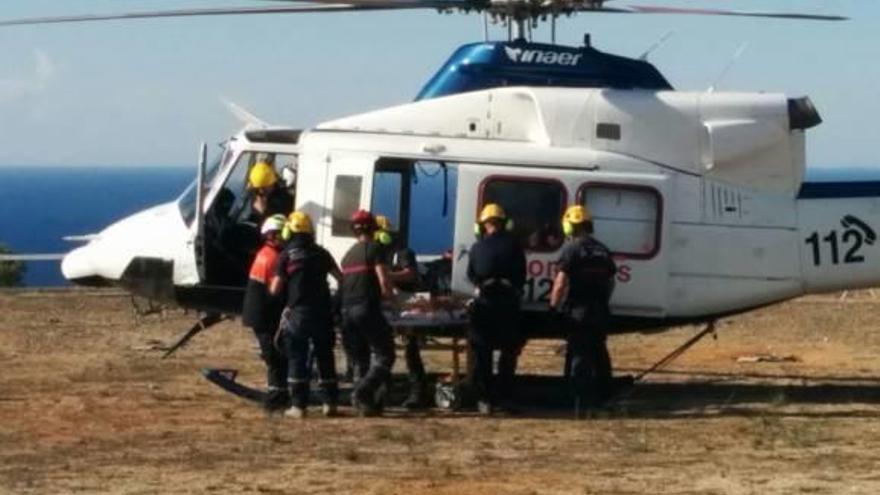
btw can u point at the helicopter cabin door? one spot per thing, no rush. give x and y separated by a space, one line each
627 214
230 229
349 187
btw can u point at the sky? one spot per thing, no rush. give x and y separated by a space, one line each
147 92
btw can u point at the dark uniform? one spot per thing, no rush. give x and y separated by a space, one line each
364 327
279 201
590 270
400 260
497 267
304 267
261 312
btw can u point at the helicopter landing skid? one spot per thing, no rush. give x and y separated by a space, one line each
204 323
225 379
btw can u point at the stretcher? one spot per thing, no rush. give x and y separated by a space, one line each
441 330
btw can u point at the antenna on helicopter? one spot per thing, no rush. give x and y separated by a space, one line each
662 41
733 60
244 116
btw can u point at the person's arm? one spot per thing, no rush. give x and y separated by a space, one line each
384 281
279 277
402 276
376 257
471 272
560 285
408 273
260 204
275 285
333 270
561 280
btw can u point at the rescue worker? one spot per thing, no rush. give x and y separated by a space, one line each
307 319
365 282
262 311
270 195
404 273
586 270
497 268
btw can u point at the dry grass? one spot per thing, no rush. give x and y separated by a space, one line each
86 406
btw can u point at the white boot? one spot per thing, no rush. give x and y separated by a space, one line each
295 412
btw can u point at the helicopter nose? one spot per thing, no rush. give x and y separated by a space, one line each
80 268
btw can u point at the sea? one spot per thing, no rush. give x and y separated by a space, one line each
41 205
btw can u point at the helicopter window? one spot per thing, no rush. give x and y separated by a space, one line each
608 131
346 200
626 218
388 196
236 185
418 194
433 197
535 207
237 182
187 201
286 166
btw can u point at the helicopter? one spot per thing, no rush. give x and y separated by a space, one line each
700 195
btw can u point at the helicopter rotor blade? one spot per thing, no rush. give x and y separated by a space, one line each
310 7
553 7
649 9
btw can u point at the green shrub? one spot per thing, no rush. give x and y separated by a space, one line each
11 272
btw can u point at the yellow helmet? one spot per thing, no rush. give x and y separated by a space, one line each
575 215
383 230
262 175
300 223
490 211
383 223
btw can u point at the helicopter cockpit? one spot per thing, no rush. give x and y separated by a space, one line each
230 234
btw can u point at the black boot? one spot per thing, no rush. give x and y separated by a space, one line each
364 404
277 400
417 398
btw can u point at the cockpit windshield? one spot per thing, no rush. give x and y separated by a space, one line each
187 201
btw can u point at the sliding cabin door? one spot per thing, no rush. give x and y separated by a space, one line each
628 218
349 187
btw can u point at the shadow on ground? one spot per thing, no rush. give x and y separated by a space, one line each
701 395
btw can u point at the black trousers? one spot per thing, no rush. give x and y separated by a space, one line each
590 362
305 329
276 362
367 335
495 325
415 367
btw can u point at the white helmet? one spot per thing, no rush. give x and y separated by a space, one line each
275 223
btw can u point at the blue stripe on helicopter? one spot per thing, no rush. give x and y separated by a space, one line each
846 189
478 66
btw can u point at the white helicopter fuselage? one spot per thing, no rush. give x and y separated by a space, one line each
699 195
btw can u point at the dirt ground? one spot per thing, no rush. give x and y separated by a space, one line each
88 405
